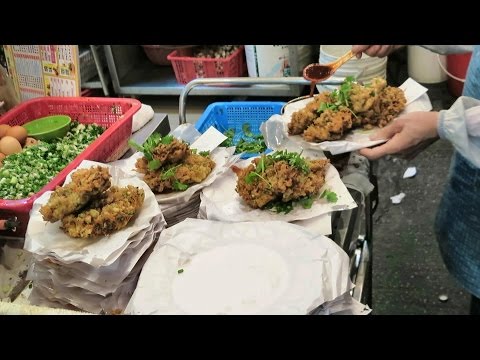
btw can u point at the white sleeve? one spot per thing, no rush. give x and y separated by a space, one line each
461 126
449 49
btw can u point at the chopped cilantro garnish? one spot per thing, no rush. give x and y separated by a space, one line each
330 196
285 207
249 143
177 185
154 164
340 97
169 173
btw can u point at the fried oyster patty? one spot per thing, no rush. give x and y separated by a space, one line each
86 184
110 213
330 114
179 167
278 178
89 206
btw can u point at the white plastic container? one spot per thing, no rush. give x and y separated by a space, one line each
364 69
423 65
274 60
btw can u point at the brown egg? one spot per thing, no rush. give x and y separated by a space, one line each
9 145
3 129
2 156
18 132
30 142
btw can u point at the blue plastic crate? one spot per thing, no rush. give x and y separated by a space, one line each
233 115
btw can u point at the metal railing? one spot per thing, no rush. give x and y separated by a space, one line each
238 81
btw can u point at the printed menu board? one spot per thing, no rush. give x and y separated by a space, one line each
44 70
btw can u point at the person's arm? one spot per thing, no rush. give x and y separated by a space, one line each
385 50
460 125
449 49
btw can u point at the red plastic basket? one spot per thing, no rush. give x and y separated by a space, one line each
111 113
187 68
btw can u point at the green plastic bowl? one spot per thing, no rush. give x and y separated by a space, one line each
49 127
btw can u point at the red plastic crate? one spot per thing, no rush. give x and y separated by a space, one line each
111 113
188 68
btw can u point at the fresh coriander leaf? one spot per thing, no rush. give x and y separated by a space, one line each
246 130
154 164
250 143
250 177
280 206
177 185
330 196
261 164
169 173
229 133
306 202
204 153
150 144
167 139
292 158
134 145
349 79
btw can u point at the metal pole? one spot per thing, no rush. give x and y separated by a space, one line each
238 81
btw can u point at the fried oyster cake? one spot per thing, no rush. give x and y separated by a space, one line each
282 176
86 185
89 206
111 212
330 114
177 167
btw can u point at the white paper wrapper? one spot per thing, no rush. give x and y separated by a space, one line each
223 159
17 309
86 300
343 305
46 290
103 280
275 129
44 238
319 225
240 268
223 203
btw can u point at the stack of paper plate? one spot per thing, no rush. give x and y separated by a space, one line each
211 267
97 275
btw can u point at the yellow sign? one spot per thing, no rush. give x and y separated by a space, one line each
44 70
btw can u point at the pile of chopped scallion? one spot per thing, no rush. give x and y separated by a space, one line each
25 173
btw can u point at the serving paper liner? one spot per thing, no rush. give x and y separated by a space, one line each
103 280
281 268
47 239
221 156
275 129
221 202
